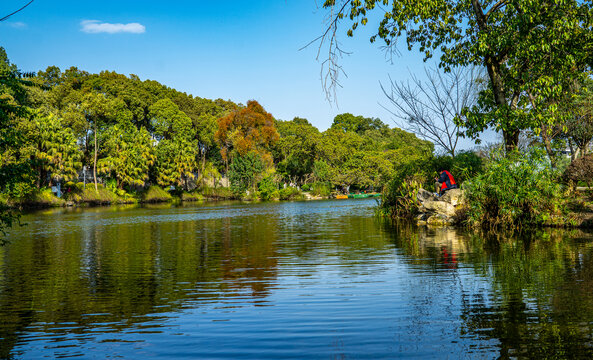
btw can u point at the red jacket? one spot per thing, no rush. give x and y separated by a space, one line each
447 181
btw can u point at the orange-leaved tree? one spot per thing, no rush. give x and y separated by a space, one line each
246 130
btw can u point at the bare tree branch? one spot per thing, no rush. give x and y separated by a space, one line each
428 108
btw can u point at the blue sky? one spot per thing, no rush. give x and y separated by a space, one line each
237 50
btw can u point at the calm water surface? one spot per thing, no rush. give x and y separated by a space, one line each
291 280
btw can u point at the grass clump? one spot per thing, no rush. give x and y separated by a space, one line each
219 193
101 196
191 196
44 198
156 194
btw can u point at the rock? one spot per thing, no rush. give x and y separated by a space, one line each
438 211
453 197
424 195
438 207
439 220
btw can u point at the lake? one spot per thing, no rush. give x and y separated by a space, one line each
287 280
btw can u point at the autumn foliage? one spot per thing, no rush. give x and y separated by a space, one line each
245 130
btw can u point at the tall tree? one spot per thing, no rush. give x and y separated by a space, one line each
55 150
531 49
358 124
101 111
128 154
245 130
296 150
15 171
177 149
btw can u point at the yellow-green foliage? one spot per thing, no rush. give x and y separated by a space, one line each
220 193
290 193
156 194
3 200
191 197
101 196
79 193
44 197
320 189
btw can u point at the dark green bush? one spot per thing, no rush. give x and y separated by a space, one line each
243 172
516 190
267 188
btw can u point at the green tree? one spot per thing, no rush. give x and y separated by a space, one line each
128 154
16 175
296 150
177 148
579 125
55 149
175 162
358 124
531 50
101 111
244 170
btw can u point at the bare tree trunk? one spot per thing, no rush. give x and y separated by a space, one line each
95 161
203 166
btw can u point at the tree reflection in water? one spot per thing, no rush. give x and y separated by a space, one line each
84 277
540 300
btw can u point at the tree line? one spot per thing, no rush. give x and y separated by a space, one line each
132 133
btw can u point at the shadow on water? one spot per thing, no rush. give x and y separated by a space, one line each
325 279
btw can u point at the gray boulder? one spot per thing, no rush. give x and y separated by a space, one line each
453 197
439 211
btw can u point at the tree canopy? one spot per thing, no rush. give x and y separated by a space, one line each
531 49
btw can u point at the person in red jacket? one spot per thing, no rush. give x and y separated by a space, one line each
446 182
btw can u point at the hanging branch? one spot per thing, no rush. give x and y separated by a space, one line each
9 15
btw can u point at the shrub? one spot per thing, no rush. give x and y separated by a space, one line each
516 190
101 196
399 197
464 166
267 187
219 193
289 193
44 197
156 194
193 196
321 189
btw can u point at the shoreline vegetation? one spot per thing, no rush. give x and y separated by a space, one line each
78 195
109 138
105 137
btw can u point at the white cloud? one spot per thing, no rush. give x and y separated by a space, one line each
17 25
96 27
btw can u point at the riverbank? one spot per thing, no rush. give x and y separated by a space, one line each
452 208
86 196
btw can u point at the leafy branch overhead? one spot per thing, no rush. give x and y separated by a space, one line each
531 50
